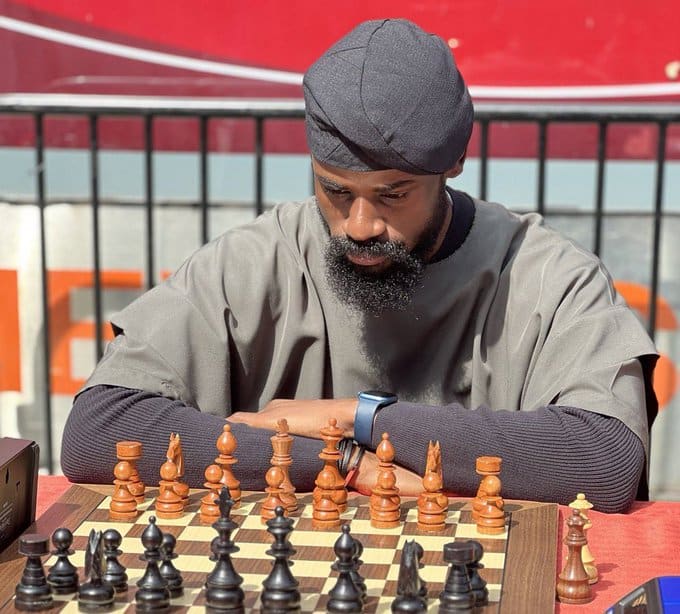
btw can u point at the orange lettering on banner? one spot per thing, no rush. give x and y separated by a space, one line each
10 350
63 331
639 297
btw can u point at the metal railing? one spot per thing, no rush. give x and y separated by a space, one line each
149 109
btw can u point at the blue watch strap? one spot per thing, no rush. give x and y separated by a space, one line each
369 403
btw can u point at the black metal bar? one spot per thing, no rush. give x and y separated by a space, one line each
250 108
599 186
259 204
542 142
47 352
203 144
658 212
94 191
483 158
148 178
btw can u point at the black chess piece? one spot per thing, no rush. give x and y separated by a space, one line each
357 578
411 590
223 585
457 595
152 591
95 594
63 575
344 596
33 593
477 583
280 592
114 572
169 572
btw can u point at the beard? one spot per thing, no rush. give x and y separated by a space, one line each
391 288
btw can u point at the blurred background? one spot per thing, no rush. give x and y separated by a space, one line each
133 132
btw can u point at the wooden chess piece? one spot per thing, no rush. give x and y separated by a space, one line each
226 446
489 467
63 575
490 519
573 583
477 582
457 595
175 455
96 594
210 511
131 451
432 503
282 442
325 511
152 593
583 505
114 572
123 506
33 592
223 592
169 503
385 502
280 592
167 569
332 434
345 596
411 590
274 479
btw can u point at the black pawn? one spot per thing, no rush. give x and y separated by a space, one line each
344 596
33 592
477 583
457 595
95 595
152 592
63 575
357 578
223 590
411 590
114 572
280 592
170 574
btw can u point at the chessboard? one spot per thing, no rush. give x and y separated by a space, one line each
519 564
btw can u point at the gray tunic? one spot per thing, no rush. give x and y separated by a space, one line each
517 318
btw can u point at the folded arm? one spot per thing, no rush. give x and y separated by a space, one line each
103 415
549 454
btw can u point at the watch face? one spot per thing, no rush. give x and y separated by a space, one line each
378 395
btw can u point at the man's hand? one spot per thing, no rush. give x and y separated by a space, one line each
305 417
409 484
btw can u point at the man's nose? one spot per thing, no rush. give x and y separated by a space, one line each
363 222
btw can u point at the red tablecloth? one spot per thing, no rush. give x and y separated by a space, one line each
629 549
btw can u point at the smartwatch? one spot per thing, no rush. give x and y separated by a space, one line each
370 401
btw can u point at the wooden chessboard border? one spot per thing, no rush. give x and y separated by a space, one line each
529 571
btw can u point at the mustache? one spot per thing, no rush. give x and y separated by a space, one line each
370 247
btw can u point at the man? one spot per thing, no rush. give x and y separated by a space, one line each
490 332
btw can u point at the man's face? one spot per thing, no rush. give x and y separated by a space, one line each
384 226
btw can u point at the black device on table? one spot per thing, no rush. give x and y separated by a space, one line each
18 487
659 595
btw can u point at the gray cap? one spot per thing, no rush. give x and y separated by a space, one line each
387 95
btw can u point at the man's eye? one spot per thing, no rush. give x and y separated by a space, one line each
335 192
394 195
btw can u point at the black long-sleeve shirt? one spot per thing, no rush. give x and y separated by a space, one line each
548 454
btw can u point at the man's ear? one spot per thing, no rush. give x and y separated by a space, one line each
458 168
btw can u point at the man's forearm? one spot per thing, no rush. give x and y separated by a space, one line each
549 454
103 415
